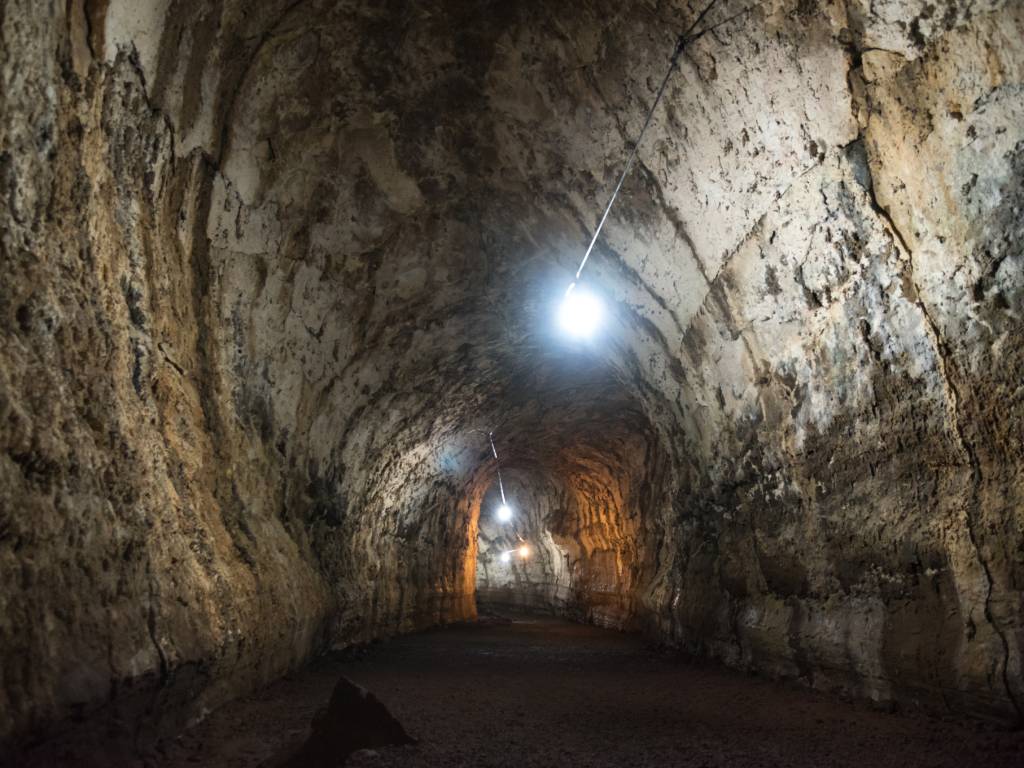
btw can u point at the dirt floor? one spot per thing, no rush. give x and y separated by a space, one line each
540 692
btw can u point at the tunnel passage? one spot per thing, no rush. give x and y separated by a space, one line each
580 482
267 265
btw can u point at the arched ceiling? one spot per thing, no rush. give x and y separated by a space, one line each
397 213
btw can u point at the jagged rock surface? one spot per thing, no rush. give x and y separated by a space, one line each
266 265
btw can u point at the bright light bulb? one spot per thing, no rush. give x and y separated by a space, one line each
524 551
580 313
504 513
506 557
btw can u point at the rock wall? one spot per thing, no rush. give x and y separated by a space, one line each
176 517
855 515
266 266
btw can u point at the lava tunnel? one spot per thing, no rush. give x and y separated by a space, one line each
644 377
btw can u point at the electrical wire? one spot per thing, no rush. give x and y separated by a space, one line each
684 39
501 487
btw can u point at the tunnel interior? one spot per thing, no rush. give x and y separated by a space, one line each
577 543
274 270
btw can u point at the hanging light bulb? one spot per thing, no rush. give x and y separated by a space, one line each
581 313
524 551
506 557
504 513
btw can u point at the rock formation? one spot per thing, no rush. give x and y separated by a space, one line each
353 719
267 265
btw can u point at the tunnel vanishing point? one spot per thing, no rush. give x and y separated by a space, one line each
271 271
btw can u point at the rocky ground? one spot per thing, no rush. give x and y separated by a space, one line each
541 692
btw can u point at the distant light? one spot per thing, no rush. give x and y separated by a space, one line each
506 557
524 551
580 314
504 513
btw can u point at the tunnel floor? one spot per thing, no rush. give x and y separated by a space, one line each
540 692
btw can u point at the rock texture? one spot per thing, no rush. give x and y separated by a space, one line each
266 265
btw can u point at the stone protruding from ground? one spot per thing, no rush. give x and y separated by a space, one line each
354 719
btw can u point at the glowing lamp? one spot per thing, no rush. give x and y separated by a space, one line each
504 513
524 551
506 557
580 314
